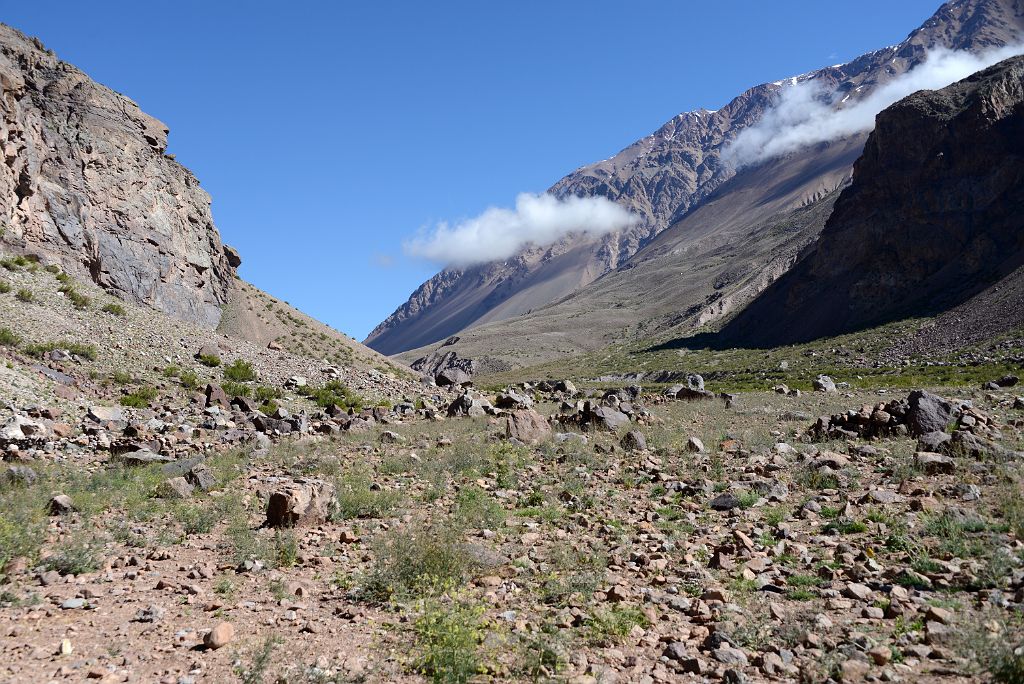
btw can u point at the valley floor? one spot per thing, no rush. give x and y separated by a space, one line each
452 554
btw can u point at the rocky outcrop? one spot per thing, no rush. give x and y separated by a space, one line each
931 219
86 183
662 178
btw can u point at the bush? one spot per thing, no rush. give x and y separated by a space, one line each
172 371
16 262
236 389
77 299
120 377
113 308
189 380
5 287
8 338
140 398
355 499
264 393
22 524
209 360
86 351
240 371
74 558
474 508
333 393
24 295
448 637
416 556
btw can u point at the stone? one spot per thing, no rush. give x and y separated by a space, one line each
201 477
208 351
934 442
219 636
881 655
510 399
527 426
389 437
730 656
695 382
105 414
302 502
73 604
634 440
18 475
694 446
216 396
854 670
61 504
725 501
934 464
824 383
606 418
174 488
857 591
927 413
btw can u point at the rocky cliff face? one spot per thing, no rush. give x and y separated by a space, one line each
664 178
85 183
931 219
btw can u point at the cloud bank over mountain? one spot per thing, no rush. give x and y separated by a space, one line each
499 233
807 114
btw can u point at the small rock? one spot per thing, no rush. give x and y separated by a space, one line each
219 636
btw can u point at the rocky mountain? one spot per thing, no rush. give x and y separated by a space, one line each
662 178
931 219
86 186
85 183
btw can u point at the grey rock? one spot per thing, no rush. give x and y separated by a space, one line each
174 488
824 383
928 413
91 189
301 502
634 440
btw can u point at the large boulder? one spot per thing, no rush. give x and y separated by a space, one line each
527 426
928 413
298 503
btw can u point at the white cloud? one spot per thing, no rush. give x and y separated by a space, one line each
500 233
806 114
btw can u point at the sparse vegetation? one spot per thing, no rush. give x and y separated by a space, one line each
239 371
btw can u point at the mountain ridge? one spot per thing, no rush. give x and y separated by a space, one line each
660 177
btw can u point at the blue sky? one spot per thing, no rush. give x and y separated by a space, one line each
328 132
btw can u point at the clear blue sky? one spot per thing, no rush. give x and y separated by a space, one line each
327 132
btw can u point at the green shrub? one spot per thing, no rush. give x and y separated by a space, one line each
189 380
16 262
333 393
22 523
608 626
265 393
355 499
236 389
8 338
77 299
475 508
140 398
416 556
86 351
449 633
120 377
5 287
114 308
172 371
24 295
74 558
240 371
209 360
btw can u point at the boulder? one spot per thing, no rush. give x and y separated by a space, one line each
215 396
634 440
928 413
174 488
527 426
301 502
824 383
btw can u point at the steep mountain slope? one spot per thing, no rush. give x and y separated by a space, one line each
661 178
931 219
85 185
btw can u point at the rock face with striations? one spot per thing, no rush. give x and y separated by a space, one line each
85 183
931 219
